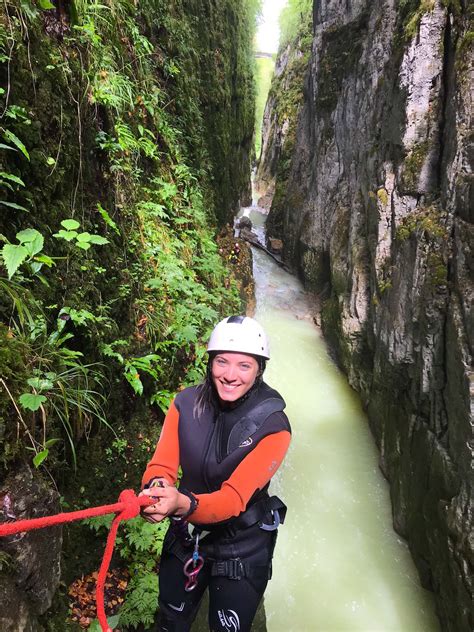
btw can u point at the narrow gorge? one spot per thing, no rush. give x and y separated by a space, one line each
127 138
367 156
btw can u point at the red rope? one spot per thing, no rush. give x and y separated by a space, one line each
129 506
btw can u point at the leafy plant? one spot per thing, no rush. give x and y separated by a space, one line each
27 250
139 545
82 240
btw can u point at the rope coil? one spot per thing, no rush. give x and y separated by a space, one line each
127 507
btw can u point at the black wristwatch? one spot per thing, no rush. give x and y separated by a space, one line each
192 507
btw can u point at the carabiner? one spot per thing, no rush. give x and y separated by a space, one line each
276 522
197 562
191 570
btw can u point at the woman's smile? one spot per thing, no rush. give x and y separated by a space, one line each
233 374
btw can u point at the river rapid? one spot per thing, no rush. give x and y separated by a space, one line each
339 565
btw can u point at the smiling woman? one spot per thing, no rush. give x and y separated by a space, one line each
229 435
233 374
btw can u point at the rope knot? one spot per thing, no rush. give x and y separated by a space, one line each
132 504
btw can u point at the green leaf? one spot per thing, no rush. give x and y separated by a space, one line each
30 401
40 384
84 237
12 178
133 378
97 239
68 235
46 4
50 160
17 142
3 146
70 224
13 205
46 260
50 442
32 240
107 219
154 284
35 266
83 244
40 457
13 256
112 622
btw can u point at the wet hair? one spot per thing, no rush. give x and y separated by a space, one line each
207 396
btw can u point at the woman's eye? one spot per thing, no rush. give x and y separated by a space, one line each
246 367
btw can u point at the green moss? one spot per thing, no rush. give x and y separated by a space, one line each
287 92
425 220
453 5
147 111
382 196
412 166
413 22
384 285
341 48
437 270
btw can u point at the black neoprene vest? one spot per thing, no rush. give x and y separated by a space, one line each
212 446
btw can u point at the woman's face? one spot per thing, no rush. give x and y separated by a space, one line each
233 374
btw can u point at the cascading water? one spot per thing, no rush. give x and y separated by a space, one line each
338 566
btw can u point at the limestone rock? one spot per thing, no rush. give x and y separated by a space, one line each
375 209
30 575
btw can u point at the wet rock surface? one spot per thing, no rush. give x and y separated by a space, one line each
30 569
375 213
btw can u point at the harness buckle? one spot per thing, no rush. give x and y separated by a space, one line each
233 569
276 522
236 569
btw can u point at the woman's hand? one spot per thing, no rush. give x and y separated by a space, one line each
169 502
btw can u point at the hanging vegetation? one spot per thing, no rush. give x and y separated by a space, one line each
126 132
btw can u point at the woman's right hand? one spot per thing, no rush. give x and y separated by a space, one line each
169 502
152 513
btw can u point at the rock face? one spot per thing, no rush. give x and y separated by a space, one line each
376 214
279 119
29 562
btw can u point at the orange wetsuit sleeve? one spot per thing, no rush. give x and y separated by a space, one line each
251 474
165 460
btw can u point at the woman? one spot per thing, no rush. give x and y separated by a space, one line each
229 435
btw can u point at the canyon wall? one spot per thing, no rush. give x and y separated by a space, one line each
375 209
132 123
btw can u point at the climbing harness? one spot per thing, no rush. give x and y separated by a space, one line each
129 506
193 566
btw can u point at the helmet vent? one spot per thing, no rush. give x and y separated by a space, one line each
236 319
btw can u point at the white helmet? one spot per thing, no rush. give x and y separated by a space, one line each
240 334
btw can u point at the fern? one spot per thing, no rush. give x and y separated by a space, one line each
142 601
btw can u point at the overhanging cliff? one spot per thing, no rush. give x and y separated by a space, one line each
376 214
